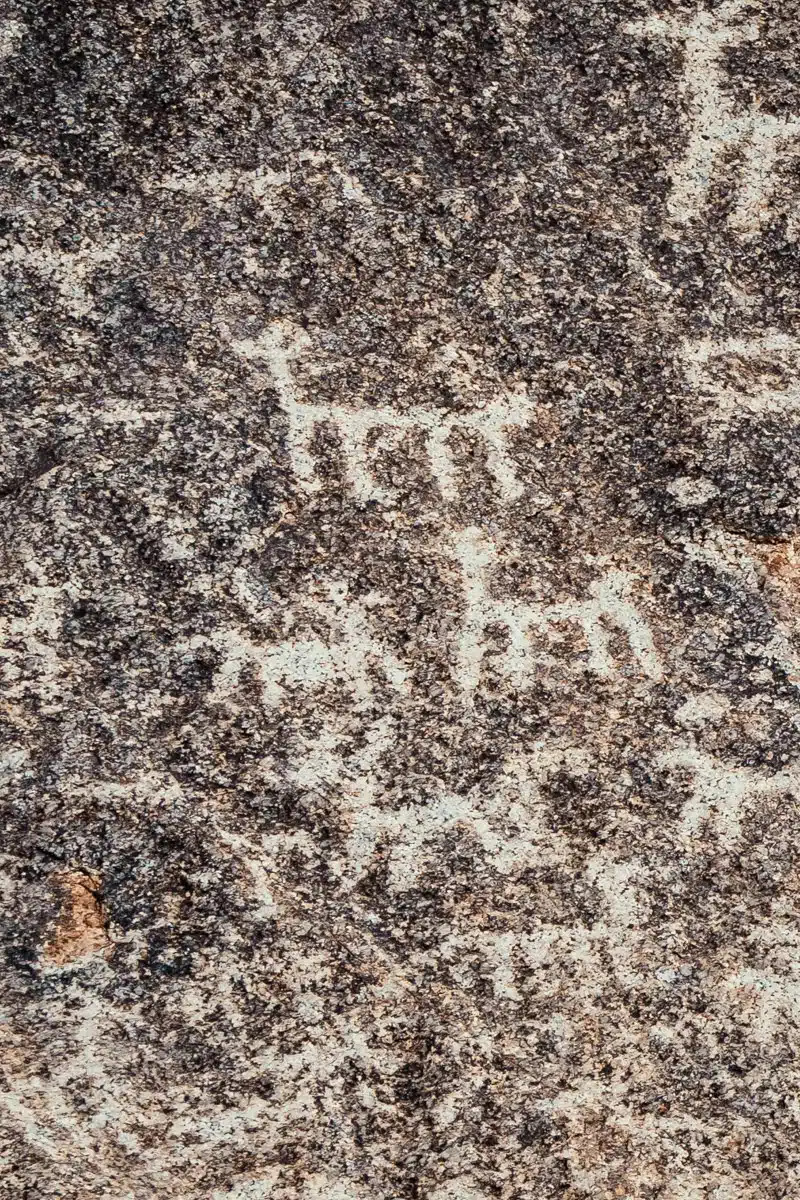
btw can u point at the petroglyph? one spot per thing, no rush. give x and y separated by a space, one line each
360 428
720 794
507 821
11 34
614 935
739 375
427 834
352 655
356 655
265 185
742 561
29 640
608 608
69 273
716 128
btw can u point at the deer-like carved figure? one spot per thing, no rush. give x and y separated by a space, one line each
607 607
282 343
718 126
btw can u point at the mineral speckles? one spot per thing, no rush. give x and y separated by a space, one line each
399 601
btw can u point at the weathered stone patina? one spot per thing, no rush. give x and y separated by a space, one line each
400 605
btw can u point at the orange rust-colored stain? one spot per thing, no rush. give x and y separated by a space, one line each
81 928
784 562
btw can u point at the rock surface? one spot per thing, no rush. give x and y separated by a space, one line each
400 616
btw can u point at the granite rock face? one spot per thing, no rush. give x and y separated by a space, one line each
400 502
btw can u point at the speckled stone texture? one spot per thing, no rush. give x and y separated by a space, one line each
400 607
